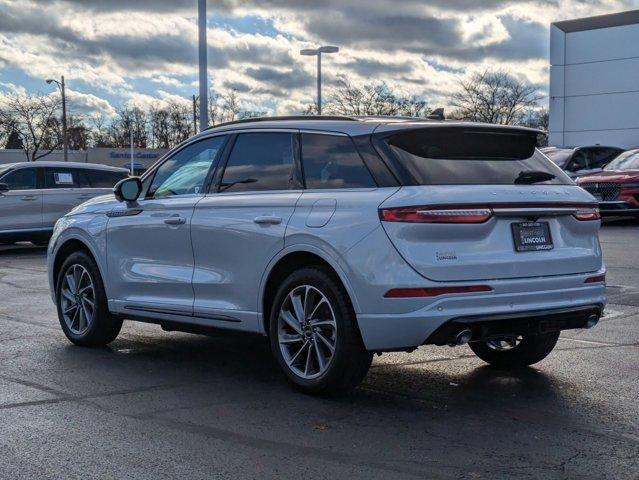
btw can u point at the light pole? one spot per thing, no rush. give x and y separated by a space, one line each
64 115
204 117
318 52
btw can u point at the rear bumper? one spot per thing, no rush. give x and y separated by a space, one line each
508 301
618 208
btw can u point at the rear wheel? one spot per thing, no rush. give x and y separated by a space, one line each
515 352
82 304
314 334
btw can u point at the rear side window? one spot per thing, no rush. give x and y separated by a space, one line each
103 178
473 156
61 178
260 161
21 179
331 161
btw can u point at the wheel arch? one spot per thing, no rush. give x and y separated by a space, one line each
67 247
286 262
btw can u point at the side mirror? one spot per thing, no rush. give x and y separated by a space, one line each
4 187
128 189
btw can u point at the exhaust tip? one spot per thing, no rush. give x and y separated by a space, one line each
463 337
592 321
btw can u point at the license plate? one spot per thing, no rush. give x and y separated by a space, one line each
532 236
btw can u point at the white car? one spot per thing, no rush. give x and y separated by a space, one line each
337 238
34 195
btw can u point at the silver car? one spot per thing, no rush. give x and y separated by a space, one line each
34 195
337 238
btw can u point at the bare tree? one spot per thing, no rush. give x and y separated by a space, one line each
371 99
493 96
33 117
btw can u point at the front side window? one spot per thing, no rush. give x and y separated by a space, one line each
579 161
185 173
260 161
21 179
473 156
331 161
61 178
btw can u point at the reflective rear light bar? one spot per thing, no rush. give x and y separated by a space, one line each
434 291
596 279
584 214
469 214
435 215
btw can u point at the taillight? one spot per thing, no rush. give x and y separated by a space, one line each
434 291
587 214
596 279
435 215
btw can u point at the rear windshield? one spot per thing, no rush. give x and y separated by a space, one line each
625 161
473 156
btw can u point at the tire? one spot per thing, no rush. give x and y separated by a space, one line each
99 327
531 349
349 362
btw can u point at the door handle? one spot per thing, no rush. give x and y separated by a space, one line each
175 220
267 220
28 198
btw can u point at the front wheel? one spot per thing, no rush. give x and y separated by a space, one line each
82 303
314 334
515 352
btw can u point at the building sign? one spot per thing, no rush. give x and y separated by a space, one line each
150 155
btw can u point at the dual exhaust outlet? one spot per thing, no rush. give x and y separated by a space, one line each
464 336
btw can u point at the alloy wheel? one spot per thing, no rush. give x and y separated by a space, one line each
77 299
307 331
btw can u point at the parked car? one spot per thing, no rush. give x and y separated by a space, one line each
581 160
616 188
34 195
338 238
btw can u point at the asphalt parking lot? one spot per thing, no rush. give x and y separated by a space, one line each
171 405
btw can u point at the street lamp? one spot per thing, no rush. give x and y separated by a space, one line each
318 52
64 115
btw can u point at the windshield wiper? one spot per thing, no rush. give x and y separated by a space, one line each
533 176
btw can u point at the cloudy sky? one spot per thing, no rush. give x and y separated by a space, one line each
121 52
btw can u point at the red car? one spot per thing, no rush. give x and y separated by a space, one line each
616 187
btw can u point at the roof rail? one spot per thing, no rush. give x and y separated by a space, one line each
286 117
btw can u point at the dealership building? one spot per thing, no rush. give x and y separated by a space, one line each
594 81
143 158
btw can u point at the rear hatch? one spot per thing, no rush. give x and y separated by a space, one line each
481 203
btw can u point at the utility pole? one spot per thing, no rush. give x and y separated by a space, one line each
194 115
62 88
131 142
204 120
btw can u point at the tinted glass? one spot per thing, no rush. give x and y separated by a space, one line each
22 179
61 178
626 161
579 161
455 156
333 162
560 157
185 172
601 156
103 178
260 161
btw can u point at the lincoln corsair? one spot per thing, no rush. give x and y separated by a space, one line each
338 238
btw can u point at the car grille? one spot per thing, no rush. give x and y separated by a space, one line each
607 191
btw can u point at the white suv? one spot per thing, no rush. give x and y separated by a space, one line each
339 237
